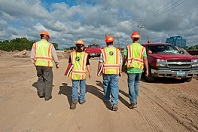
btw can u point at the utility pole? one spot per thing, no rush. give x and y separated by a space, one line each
141 26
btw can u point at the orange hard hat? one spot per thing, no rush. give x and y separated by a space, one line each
135 35
45 33
80 42
109 38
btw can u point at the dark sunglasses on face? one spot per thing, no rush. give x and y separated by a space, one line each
79 45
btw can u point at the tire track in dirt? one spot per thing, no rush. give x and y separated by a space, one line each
174 112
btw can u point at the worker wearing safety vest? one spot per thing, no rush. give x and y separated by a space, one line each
110 63
136 58
42 55
81 66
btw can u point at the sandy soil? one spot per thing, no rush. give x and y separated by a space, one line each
165 106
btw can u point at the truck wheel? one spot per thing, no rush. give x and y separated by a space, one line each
187 79
150 78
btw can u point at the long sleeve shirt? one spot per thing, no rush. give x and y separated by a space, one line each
54 55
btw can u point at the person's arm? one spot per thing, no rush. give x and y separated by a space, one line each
124 60
88 67
89 71
100 63
54 56
120 69
32 54
146 66
69 61
145 60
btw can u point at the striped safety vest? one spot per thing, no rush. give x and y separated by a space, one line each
79 70
43 53
135 56
111 58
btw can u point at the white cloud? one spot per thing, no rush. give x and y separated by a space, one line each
90 22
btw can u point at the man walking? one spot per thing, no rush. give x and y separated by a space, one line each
136 58
42 55
111 61
80 61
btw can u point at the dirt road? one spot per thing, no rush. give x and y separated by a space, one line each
166 106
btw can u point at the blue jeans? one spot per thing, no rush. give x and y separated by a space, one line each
133 85
110 85
75 84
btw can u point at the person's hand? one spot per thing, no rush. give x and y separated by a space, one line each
57 65
124 68
99 74
120 74
89 75
146 73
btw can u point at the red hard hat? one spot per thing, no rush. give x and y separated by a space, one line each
109 38
45 33
80 42
135 35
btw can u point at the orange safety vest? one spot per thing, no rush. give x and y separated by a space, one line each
79 69
43 53
135 56
111 58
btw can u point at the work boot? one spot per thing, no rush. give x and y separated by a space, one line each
41 95
46 99
105 100
114 107
82 102
132 105
73 104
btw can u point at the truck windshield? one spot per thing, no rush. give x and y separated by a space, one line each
93 46
163 49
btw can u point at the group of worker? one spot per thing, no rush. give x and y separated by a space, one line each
110 66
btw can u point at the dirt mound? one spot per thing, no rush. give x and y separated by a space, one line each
63 54
22 54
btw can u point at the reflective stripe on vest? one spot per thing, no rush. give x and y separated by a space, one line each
79 70
43 53
111 57
135 56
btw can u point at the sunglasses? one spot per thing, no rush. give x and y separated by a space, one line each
79 45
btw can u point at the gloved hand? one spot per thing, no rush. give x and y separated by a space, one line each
57 65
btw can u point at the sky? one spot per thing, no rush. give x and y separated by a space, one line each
90 20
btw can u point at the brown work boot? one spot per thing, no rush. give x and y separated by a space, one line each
73 104
114 107
132 105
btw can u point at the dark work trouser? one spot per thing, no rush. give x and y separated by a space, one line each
45 80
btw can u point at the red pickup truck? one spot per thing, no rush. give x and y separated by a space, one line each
93 50
166 61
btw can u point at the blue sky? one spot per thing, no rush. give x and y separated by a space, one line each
69 20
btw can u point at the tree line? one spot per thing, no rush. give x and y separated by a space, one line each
19 44
23 43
